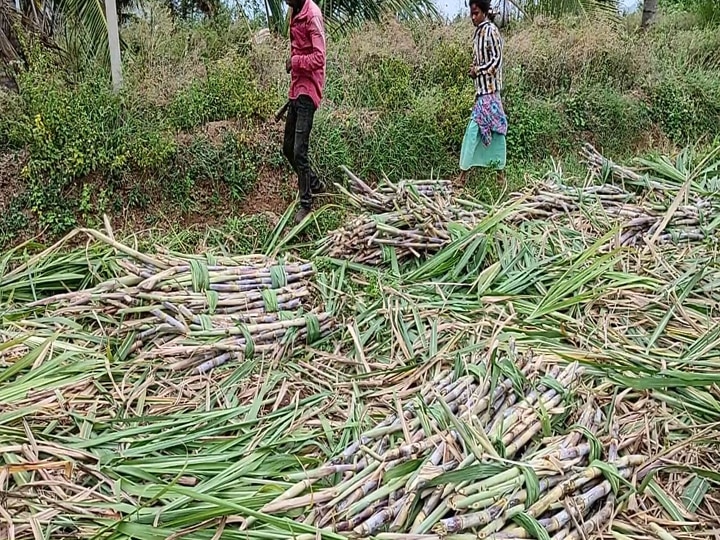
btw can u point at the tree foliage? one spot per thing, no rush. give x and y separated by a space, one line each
343 15
558 8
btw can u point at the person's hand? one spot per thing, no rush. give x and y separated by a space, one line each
288 65
473 73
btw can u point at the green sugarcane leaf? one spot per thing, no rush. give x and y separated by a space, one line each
404 469
532 486
531 526
611 474
472 473
694 493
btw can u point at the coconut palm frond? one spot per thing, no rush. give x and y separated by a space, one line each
558 8
344 15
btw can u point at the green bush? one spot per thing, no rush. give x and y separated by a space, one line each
409 144
336 140
385 83
607 118
229 91
203 171
73 131
12 220
397 102
70 133
448 65
686 106
707 11
10 114
536 128
553 57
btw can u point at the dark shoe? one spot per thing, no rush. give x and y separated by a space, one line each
301 214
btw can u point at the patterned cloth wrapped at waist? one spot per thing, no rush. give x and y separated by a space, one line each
490 117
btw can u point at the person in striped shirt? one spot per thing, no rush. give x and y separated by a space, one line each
484 140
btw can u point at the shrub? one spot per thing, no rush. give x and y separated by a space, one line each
686 106
536 128
10 115
453 114
69 133
555 56
385 82
409 144
448 65
203 170
607 118
229 91
12 220
74 130
397 103
337 140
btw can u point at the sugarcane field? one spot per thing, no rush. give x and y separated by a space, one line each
438 368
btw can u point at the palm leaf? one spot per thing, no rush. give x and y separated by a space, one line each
559 8
344 15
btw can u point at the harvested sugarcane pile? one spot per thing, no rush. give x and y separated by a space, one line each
639 219
465 459
194 312
100 439
410 218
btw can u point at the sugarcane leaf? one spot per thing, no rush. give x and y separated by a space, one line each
544 419
692 280
403 470
532 486
472 473
611 474
708 474
531 526
475 440
123 351
552 383
35 355
313 327
486 278
212 301
670 506
249 342
200 275
694 493
278 276
274 243
511 370
499 445
596 447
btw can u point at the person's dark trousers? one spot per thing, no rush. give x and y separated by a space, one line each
298 125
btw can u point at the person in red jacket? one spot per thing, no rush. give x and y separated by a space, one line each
306 66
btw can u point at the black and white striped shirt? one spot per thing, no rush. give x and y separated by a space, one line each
487 58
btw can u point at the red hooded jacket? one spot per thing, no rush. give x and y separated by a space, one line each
307 50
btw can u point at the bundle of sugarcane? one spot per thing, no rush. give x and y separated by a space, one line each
197 312
444 465
410 218
600 165
639 219
388 196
